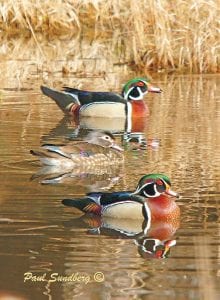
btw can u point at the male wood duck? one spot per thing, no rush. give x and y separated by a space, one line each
104 104
146 201
98 148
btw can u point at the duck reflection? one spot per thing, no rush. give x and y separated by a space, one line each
152 241
137 141
95 178
132 134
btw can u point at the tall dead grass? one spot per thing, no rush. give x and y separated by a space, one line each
158 35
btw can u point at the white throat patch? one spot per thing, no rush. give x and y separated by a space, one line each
140 97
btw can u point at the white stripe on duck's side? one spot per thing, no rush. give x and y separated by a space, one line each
103 109
125 210
58 162
75 97
129 117
148 213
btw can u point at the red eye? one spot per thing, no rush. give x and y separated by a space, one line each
159 182
140 83
158 253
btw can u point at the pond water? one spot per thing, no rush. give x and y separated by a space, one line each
40 236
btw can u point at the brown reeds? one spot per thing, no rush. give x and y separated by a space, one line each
157 35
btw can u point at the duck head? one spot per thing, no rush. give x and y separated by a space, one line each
154 248
154 185
136 88
103 138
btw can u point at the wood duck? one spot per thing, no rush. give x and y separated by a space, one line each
104 104
98 148
147 201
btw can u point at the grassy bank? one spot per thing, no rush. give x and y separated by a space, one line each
164 35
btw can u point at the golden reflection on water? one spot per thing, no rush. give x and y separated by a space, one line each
185 120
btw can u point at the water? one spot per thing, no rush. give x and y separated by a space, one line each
40 236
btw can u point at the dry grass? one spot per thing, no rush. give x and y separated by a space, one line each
158 35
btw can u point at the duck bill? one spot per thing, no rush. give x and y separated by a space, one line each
154 89
168 245
117 147
172 193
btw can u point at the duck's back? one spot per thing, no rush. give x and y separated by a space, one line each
83 152
88 97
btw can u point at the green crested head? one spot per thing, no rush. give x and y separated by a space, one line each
154 177
153 185
136 88
135 82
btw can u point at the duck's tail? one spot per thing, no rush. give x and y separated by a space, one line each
64 100
38 153
47 158
86 205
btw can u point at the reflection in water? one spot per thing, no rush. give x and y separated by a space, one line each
154 241
8 295
114 246
95 178
135 137
131 140
69 128
185 120
138 141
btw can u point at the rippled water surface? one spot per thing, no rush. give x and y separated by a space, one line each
40 236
